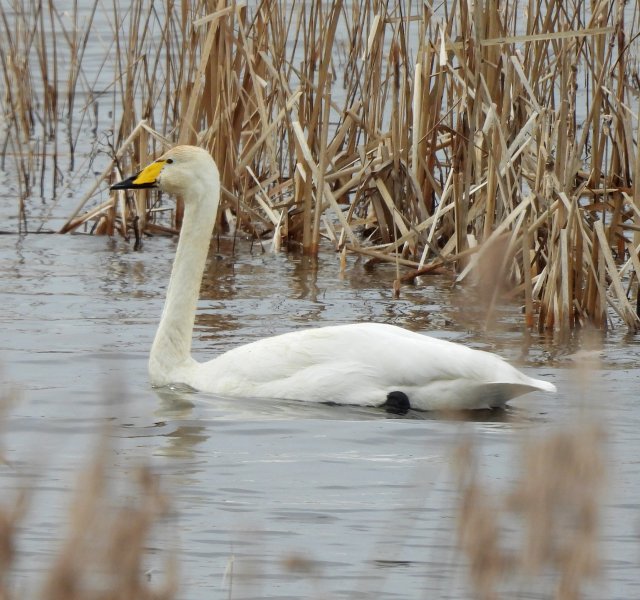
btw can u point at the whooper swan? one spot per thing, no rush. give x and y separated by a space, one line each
361 364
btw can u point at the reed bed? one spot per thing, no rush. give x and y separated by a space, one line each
495 140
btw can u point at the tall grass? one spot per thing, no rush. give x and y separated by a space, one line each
495 138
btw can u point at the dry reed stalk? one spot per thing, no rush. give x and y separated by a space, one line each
553 511
104 549
72 223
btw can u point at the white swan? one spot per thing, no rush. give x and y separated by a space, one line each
363 364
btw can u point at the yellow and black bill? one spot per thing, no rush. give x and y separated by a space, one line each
147 178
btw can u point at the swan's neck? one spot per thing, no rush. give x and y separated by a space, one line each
171 349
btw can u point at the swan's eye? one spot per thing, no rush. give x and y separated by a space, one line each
169 161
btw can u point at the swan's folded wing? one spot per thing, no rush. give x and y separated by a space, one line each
361 364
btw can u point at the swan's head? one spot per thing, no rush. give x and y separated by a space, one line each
185 170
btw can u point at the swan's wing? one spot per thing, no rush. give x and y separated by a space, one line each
361 364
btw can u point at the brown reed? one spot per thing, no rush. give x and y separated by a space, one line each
420 138
103 549
552 513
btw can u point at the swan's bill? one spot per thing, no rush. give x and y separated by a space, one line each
147 178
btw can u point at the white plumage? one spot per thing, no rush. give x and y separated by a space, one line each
347 364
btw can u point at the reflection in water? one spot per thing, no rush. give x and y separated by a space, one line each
183 441
175 402
123 272
304 279
183 404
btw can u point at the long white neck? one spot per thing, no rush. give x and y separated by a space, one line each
171 349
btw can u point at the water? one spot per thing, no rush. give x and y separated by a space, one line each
258 487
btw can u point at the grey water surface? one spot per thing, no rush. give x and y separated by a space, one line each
368 499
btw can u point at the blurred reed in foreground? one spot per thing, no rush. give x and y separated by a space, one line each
432 139
544 533
539 528
103 550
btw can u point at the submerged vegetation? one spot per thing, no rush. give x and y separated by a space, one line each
497 140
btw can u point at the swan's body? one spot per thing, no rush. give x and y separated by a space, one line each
359 364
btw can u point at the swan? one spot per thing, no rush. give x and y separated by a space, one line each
367 364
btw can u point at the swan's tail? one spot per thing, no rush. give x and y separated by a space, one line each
544 386
498 394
